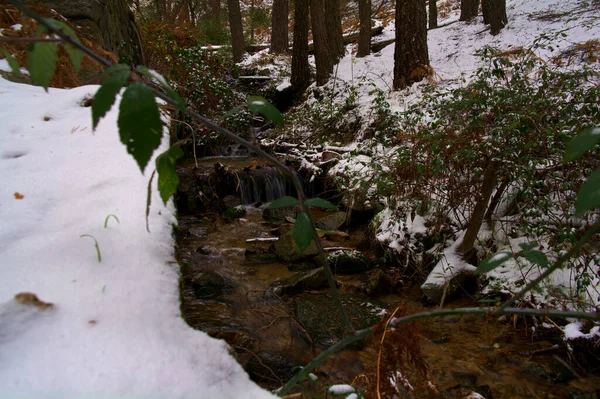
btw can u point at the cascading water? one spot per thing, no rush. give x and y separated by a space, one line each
263 185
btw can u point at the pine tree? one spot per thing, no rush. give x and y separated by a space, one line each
433 14
497 15
323 52
333 25
468 9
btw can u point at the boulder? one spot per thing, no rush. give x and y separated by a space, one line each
302 281
285 247
234 213
260 255
332 222
231 202
211 284
278 215
349 262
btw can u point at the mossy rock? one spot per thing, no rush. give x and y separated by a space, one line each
349 262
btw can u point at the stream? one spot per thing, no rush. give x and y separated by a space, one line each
231 288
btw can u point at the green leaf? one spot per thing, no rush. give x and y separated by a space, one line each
583 142
167 176
493 262
139 123
149 200
320 203
537 257
12 62
283 202
106 94
589 195
115 68
41 62
162 81
258 105
74 53
302 232
528 246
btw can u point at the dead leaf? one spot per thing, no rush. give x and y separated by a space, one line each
18 195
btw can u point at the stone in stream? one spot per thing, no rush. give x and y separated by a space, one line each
285 247
332 222
319 315
211 284
234 213
231 202
302 281
260 255
278 215
349 262
302 266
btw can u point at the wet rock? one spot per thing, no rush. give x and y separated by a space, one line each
211 284
349 262
332 222
302 281
231 202
285 247
187 198
377 283
234 213
320 316
463 282
302 266
278 215
270 367
259 256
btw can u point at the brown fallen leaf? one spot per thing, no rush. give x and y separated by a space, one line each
18 195
29 299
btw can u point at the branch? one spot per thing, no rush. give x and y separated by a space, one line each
29 40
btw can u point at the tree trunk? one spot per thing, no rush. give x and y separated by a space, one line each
468 9
323 52
485 10
489 182
279 27
333 26
237 31
497 13
215 10
411 57
161 9
364 38
300 67
433 14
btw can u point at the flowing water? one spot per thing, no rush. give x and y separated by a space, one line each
226 294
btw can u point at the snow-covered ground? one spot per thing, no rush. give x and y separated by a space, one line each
114 329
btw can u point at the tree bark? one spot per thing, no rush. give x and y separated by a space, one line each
364 38
468 9
485 10
323 52
300 66
333 26
497 14
489 182
433 14
411 57
236 28
279 27
215 10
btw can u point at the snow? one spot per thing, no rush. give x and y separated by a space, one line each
341 389
450 265
573 331
114 329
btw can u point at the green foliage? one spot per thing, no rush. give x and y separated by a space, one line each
117 76
283 202
582 143
320 203
493 262
95 245
167 176
41 62
259 106
12 62
302 232
589 195
140 127
107 219
158 78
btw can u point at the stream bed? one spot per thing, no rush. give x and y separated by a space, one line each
229 289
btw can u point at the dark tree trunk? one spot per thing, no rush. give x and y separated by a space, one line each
364 38
161 9
468 9
215 10
333 26
485 10
279 27
497 13
411 57
433 14
300 67
323 52
237 31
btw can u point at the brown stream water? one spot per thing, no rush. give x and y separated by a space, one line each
497 359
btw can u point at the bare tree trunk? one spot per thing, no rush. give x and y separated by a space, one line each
215 10
279 27
236 28
333 26
323 52
433 14
411 57
485 9
300 67
498 18
364 38
468 9
489 182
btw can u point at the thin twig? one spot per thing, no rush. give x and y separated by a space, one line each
5 39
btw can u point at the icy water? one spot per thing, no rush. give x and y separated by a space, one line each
496 358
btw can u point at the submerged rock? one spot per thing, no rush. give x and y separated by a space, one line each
211 284
279 215
332 222
349 262
285 247
303 281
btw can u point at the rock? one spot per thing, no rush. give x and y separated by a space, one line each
377 283
464 281
349 262
319 315
285 247
109 23
332 222
234 213
260 256
278 215
302 281
302 266
187 198
270 367
231 202
211 284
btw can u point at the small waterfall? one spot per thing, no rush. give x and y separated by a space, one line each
263 184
